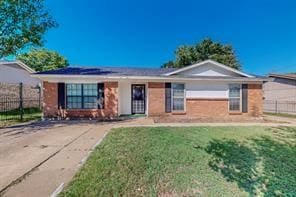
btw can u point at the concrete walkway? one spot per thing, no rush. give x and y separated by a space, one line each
39 159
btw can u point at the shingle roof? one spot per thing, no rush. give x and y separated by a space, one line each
136 72
108 71
283 76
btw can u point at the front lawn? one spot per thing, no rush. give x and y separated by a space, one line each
190 161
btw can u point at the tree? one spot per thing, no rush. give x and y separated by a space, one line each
43 59
169 64
206 49
22 24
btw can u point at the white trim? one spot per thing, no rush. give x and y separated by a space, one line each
208 61
71 78
21 64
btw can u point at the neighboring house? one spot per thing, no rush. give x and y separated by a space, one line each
205 89
280 94
12 73
17 72
281 87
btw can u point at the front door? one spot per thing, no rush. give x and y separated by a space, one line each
138 99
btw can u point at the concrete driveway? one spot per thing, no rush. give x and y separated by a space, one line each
38 158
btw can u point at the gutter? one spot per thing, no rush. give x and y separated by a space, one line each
69 77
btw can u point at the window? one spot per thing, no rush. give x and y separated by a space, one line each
178 91
90 95
74 96
82 96
234 97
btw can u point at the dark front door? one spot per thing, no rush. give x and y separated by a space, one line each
138 99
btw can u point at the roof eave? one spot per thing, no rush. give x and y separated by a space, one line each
21 64
282 76
50 76
208 61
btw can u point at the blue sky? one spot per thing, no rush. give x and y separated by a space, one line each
146 33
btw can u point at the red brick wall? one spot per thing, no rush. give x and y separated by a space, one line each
156 99
156 103
50 99
111 99
255 100
219 107
206 107
110 110
194 107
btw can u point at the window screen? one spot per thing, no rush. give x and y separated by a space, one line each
82 96
178 97
234 97
90 94
74 96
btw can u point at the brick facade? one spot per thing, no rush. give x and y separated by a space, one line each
51 103
255 100
219 107
206 107
156 99
50 99
195 107
203 107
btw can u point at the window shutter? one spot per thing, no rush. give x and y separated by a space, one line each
101 96
168 100
244 98
61 95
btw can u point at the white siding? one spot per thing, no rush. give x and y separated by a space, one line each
15 74
125 100
206 90
124 97
208 70
280 90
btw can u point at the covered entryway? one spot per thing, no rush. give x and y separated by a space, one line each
138 99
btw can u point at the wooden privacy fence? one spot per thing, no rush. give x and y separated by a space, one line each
280 107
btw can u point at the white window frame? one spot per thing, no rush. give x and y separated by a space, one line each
172 98
240 103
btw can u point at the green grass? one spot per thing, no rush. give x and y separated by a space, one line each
282 115
13 116
190 161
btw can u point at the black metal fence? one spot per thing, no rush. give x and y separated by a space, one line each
279 107
19 109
